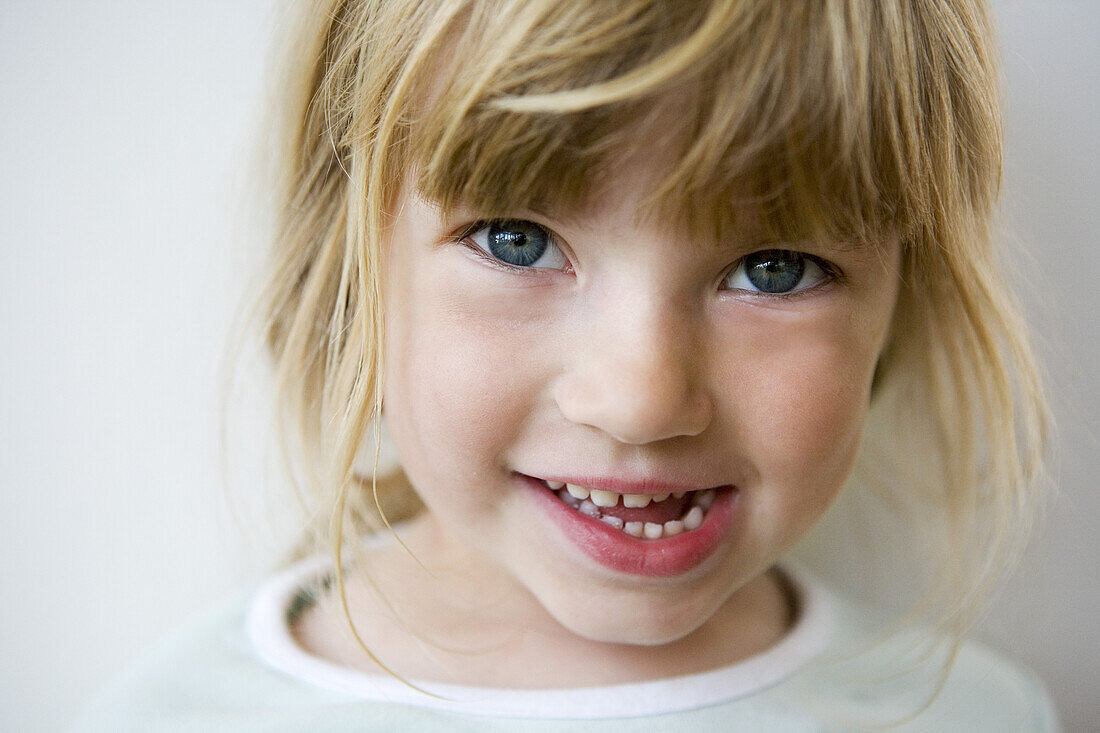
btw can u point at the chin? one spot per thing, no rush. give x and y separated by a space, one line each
637 619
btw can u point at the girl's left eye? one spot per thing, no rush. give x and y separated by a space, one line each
518 243
777 272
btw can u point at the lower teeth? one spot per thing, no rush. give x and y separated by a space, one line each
613 522
691 519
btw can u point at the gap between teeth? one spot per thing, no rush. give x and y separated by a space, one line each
611 498
588 502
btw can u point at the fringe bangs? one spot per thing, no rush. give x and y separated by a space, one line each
812 119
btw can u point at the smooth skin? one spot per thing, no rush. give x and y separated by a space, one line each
634 354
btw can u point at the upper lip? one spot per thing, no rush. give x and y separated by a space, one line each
621 485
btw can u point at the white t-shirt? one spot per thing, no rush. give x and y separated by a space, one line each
240 669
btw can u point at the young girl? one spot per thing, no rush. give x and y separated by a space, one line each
634 287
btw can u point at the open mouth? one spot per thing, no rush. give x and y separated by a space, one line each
652 534
643 516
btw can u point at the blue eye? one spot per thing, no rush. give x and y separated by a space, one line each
776 272
519 243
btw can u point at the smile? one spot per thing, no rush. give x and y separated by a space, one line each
654 534
648 516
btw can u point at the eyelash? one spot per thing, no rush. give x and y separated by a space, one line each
552 245
828 272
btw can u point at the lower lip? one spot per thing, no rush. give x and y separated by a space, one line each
618 551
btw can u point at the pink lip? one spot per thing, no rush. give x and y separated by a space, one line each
618 551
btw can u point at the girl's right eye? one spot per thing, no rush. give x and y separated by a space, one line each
517 243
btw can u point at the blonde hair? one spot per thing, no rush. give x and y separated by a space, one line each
834 119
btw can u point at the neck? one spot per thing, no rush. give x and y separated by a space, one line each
445 614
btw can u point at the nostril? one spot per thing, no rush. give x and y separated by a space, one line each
638 374
635 411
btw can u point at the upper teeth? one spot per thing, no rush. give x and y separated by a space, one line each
590 501
603 498
599 497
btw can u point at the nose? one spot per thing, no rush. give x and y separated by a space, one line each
639 379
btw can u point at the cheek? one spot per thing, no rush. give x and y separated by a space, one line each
458 385
797 400
823 392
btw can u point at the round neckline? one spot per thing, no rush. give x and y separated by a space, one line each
272 608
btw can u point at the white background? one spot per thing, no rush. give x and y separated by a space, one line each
124 130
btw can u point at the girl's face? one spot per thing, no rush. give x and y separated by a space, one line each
599 350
